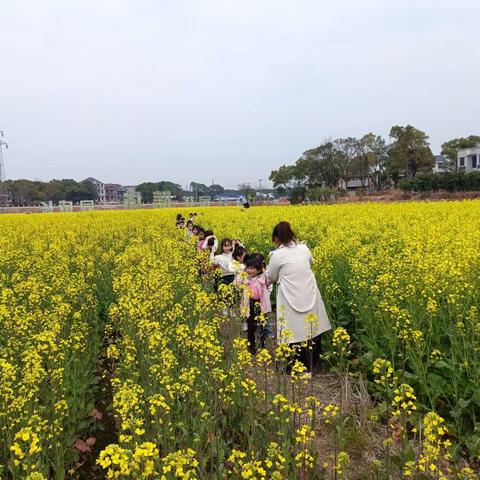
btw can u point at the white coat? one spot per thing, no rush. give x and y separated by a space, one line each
297 293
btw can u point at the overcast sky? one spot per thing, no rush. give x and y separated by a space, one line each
136 90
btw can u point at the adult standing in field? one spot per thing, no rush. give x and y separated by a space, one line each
298 298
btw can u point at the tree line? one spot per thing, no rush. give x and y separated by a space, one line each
32 192
370 160
25 192
450 181
196 190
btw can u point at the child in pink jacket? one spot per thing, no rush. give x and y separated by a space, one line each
255 301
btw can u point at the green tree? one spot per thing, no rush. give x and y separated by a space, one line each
28 192
25 192
199 189
410 151
450 149
174 188
346 156
92 190
370 159
320 166
284 178
147 189
68 189
215 189
75 192
247 190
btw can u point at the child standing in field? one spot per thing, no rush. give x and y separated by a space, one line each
239 253
189 230
180 221
210 241
267 330
224 261
255 301
238 261
200 233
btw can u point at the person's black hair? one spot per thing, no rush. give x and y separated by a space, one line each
190 222
208 233
199 229
211 242
222 243
179 216
284 234
260 257
238 252
180 221
254 263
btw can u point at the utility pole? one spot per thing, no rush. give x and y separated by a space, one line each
4 196
260 180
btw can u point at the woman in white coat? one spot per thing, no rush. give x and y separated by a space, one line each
298 296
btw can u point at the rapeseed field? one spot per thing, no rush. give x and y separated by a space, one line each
122 289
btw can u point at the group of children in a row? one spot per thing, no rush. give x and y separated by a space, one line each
233 264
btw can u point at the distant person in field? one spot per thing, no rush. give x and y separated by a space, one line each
199 232
189 229
180 221
242 200
297 295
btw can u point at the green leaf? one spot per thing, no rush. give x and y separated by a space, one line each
443 364
473 444
476 396
462 403
409 453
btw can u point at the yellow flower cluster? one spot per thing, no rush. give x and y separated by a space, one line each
272 467
330 412
434 449
383 372
434 432
340 340
343 461
404 400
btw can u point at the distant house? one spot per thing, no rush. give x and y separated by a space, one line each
355 182
113 193
100 186
129 189
440 164
468 159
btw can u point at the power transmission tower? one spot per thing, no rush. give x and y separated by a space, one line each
4 193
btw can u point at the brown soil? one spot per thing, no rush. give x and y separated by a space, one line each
103 430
